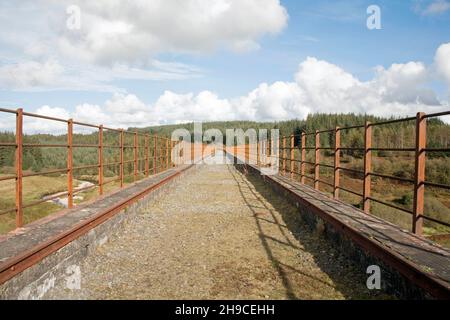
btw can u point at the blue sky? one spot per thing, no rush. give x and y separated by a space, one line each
332 32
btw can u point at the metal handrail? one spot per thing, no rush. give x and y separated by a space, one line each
418 181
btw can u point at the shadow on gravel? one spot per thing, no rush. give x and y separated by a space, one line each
346 277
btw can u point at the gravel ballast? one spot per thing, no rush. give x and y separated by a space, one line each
218 234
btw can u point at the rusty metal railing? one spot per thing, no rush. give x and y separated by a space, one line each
157 148
419 182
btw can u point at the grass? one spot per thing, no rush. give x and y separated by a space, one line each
34 188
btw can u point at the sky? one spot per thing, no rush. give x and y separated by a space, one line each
149 62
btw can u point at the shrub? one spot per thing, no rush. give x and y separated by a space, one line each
406 200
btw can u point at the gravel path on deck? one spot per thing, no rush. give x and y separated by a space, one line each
217 235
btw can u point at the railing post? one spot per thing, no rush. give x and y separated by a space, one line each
303 159
19 174
419 179
247 153
147 164
292 166
161 155
70 163
337 161
284 156
367 166
167 154
262 150
122 168
172 144
100 159
258 148
317 162
135 156
155 152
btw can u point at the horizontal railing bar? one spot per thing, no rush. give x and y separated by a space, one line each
391 205
352 127
33 174
44 145
392 121
392 149
307 177
326 182
112 129
85 145
306 134
391 177
326 130
437 114
7 178
78 123
350 191
436 149
7 211
351 170
436 220
351 148
8 144
86 167
8 110
436 185
44 117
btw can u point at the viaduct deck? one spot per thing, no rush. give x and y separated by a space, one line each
219 233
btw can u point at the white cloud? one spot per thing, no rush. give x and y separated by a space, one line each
442 61
120 39
131 31
319 87
404 83
51 75
32 124
437 7
30 74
